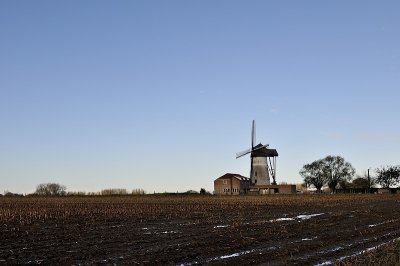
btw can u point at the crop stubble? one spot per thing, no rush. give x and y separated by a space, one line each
270 230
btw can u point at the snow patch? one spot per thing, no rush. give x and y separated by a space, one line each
308 216
221 226
301 217
233 255
329 262
308 239
237 254
35 262
331 250
385 222
169 232
283 219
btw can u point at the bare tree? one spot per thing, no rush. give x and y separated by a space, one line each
313 174
388 176
50 189
330 171
337 170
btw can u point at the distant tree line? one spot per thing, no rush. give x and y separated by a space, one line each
121 191
10 194
55 189
334 172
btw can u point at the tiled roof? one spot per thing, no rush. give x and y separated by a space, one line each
230 175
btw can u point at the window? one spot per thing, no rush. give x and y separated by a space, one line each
225 182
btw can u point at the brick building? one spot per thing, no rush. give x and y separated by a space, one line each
231 184
235 184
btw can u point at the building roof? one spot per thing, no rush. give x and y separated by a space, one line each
264 152
230 175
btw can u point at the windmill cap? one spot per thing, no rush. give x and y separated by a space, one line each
264 152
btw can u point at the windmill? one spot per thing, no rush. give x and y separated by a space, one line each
262 166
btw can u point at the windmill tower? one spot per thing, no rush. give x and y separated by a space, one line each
263 161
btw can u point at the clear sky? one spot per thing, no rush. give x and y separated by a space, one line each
160 95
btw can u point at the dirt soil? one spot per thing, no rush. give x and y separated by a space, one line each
195 230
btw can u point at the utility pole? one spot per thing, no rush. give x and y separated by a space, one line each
369 183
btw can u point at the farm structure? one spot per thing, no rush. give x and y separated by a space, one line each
273 189
231 184
235 184
262 169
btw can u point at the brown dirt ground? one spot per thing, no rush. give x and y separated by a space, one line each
195 230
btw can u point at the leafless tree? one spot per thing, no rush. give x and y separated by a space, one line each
388 176
330 171
51 189
313 175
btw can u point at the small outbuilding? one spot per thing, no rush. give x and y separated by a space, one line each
273 189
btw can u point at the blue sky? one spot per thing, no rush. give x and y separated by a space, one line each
160 95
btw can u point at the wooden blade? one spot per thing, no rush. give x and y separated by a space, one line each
243 153
253 134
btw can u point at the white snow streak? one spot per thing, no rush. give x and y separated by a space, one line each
299 217
232 255
221 226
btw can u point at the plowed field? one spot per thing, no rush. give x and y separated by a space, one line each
190 230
